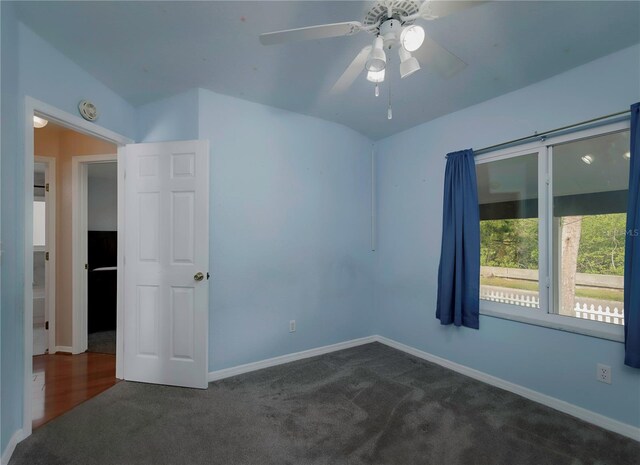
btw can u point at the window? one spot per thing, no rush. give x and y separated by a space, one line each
552 231
590 184
508 196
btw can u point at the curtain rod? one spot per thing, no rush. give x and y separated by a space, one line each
551 131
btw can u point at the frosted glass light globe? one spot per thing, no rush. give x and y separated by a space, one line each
412 37
376 76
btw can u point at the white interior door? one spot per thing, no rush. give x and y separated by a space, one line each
40 263
166 250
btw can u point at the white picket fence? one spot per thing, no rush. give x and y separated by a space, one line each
606 314
514 298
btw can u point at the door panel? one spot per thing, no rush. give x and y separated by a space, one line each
41 269
183 315
166 245
149 208
183 222
147 309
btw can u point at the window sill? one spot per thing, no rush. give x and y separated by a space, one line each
537 317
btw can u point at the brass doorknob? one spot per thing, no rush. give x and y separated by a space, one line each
198 276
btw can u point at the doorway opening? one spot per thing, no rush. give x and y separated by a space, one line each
101 235
75 227
44 208
167 235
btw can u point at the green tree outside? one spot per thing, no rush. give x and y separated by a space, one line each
514 244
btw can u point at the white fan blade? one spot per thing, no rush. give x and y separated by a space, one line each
433 55
352 71
431 9
312 32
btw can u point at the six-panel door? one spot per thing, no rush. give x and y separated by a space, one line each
166 246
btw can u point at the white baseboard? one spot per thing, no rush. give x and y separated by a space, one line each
11 446
589 416
65 349
270 362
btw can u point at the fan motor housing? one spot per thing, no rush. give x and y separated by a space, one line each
379 13
390 30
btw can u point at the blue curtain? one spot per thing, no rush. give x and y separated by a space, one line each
632 251
459 271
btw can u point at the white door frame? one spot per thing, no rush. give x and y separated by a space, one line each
50 265
79 253
53 114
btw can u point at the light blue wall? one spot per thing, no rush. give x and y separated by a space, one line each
40 71
290 231
290 224
10 411
172 118
48 75
410 169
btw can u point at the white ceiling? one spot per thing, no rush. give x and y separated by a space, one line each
149 50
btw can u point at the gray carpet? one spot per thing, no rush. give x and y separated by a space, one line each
103 342
366 405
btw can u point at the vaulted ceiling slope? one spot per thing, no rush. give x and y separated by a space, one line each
149 50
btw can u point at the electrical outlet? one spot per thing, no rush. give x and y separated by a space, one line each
292 326
603 373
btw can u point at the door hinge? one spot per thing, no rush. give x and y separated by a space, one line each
46 187
86 266
46 256
46 325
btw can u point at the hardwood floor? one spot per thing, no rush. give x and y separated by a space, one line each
60 382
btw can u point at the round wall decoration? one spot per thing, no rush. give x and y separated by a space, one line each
88 110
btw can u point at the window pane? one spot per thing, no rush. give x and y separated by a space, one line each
590 185
508 196
39 223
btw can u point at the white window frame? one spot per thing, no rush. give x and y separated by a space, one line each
547 315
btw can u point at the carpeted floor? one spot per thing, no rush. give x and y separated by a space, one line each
366 405
103 342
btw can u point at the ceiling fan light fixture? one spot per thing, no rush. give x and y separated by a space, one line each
376 76
408 64
39 122
412 37
377 59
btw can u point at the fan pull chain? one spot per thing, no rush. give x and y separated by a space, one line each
389 110
377 91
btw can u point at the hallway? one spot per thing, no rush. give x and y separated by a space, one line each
60 382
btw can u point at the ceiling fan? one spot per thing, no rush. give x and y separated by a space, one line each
392 23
